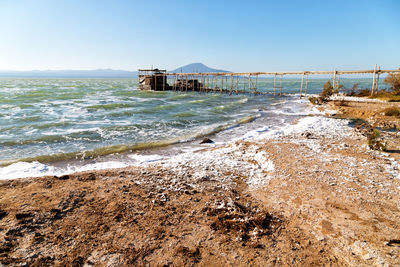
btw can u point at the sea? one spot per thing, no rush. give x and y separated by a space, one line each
50 126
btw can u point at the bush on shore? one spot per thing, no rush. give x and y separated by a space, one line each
389 96
341 103
393 79
393 111
325 94
375 141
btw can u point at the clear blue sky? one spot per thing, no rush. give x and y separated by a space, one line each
233 35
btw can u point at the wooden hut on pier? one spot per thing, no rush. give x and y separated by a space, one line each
153 79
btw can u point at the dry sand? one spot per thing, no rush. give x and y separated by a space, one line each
310 198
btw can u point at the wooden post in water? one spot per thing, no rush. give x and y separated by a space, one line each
231 87
249 84
377 80
334 80
226 84
222 84
338 83
237 85
281 84
200 83
305 90
301 86
203 81
255 88
176 78
275 84
373 81
163 85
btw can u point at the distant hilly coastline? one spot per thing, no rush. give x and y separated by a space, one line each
196 68
99 73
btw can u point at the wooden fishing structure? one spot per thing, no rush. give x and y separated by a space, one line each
242 82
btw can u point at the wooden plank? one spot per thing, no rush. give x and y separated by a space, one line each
291 72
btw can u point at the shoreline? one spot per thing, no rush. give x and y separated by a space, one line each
309 193
38 168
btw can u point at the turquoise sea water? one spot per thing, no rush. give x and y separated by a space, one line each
55 119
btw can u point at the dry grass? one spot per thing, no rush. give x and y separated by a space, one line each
392 111
389 96
341 103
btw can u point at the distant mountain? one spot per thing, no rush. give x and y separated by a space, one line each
196 67
100 73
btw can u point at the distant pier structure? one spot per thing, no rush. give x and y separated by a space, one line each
157 80
153 79
242 82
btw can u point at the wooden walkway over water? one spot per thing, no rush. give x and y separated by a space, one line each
247 82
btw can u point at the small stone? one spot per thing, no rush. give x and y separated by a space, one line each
63 177
207 141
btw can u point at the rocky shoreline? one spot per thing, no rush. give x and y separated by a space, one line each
312 193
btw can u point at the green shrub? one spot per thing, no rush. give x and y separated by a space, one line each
314 100
389 96
327 91
394 80
354 90
336 91
364 92
375 141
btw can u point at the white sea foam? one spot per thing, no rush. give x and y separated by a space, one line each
145 158
355 99
25 169
230 156
37 169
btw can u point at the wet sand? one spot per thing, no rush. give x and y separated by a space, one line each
311 197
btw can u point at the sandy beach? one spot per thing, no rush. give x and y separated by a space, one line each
307 194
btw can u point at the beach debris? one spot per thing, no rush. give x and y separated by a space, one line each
63 177
207 141
393 242
22 216
375 141
3 214
246 221
189 252
87 177
307 135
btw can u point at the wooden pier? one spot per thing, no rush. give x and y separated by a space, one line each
243 82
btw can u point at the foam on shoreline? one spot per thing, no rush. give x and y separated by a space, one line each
224 156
